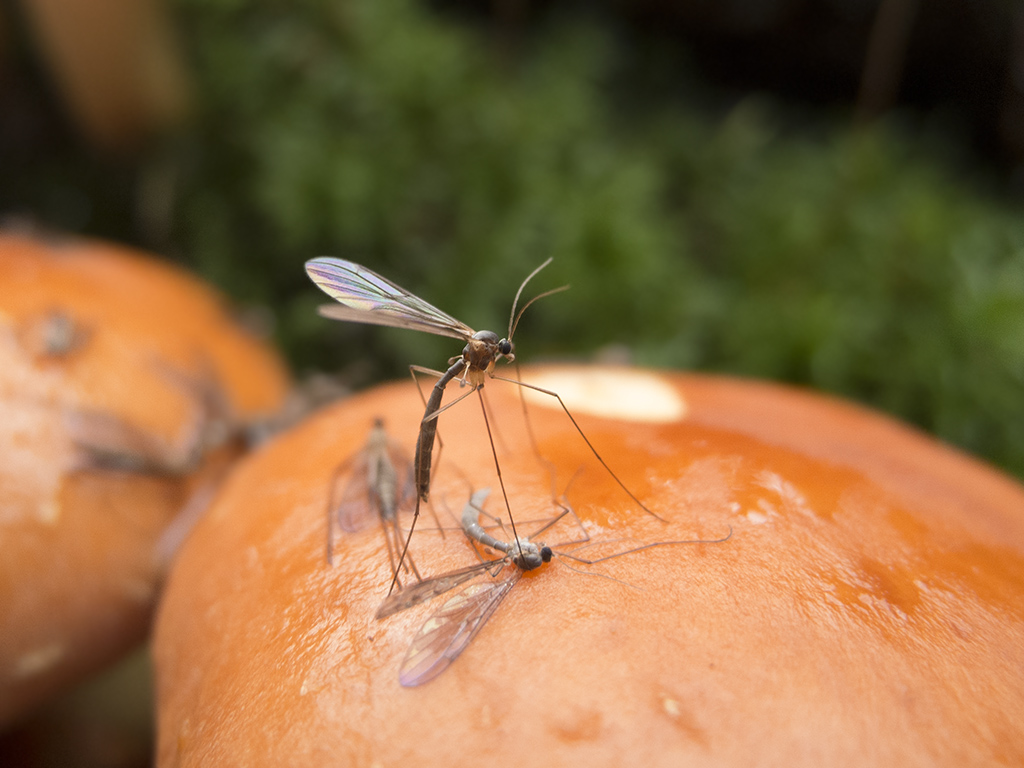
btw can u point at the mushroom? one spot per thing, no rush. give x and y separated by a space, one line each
125 386
867 609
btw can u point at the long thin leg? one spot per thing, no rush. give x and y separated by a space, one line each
643 547
405 549
393 538
586 440
391 551
414 369
499 438
497 466
545 523
552 471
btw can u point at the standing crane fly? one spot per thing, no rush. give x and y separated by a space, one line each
366 297
450 630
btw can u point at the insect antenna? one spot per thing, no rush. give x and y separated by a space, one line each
582 572
515 324
513 318
641 548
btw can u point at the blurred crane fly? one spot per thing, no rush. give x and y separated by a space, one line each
363 296
380 484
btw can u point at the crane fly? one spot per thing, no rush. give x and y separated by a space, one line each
363 296
449 631
380 485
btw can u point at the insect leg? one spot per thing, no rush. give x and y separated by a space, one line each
497 466
586 440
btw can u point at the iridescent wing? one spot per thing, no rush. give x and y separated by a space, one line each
366 297
427 589
449 632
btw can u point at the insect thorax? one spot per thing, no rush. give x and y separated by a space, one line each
529 556
481 353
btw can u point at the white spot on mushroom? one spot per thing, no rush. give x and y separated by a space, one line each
787 492
622 394
671 706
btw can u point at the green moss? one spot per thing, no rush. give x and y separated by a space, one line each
853 262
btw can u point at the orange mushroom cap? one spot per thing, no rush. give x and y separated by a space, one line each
868 608
121 380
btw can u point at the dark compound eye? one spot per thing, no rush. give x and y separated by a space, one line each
505 347
545 554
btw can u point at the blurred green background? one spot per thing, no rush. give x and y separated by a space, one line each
804 234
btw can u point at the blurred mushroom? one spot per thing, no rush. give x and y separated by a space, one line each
122 380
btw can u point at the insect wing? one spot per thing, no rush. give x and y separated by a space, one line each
430 588
405 490
355 510
366 297
448 632
380 482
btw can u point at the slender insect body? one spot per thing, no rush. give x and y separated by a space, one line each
428 429
381 475
475 363
367 297
448 632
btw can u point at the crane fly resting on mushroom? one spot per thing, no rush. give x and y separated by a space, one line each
363 296
450 630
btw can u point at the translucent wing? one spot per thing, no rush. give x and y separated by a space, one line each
380 483
355 510
430 588
449 632
366 297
